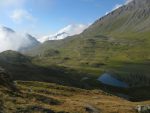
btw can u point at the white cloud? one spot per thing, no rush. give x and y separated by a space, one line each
16 10
73 29
20 15
69 30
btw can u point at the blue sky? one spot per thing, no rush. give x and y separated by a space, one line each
42 17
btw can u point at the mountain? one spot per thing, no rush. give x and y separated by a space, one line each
10 40
32 42
6 29
67 31
118 43
130 18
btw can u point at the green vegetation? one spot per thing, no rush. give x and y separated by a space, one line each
118 43
25 70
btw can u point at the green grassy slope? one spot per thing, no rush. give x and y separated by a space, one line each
118 43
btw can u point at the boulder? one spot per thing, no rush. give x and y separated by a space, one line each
143 108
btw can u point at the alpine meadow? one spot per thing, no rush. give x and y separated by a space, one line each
99 66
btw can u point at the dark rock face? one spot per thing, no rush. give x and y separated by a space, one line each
6 29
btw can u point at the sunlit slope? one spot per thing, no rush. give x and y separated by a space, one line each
118 42
38 97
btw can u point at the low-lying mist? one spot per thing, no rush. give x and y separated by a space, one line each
10 40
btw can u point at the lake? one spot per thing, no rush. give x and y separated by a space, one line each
108 79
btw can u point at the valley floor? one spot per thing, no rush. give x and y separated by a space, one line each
40 97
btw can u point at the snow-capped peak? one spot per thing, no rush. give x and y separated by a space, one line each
69 30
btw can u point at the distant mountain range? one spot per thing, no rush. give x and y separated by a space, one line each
11 40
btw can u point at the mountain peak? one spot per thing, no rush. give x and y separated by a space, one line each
131 17
6 29
69 30
136 4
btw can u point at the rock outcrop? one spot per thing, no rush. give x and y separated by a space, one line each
143 108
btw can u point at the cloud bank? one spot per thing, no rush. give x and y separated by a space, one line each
10 40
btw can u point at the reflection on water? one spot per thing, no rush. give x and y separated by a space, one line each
108 79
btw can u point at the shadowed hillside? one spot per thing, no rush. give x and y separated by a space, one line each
22 68
6 80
